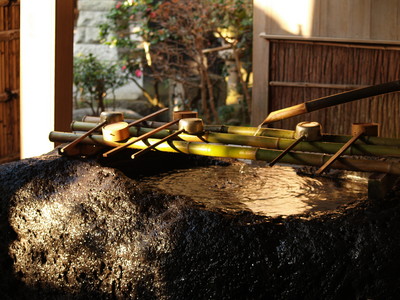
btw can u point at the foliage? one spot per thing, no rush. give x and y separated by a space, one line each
93 79
173 35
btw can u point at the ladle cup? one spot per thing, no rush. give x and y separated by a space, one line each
120 131
305 131
105 118
193 126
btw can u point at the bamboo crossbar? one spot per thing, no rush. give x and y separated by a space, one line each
146 123
240 152
262 141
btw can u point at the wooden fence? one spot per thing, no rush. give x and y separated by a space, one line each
9 80
302 70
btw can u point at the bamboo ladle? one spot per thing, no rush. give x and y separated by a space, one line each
358 130
305 131
105 118
178 115
192 126
120 130
331 100
142 137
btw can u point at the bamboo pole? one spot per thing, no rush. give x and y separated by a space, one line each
146 123
263 141
284 133
141 152
252 153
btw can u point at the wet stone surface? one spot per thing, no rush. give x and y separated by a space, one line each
78 229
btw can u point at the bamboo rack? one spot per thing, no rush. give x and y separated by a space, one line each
268 132
240 152
271 142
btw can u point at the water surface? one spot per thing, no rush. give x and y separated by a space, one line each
260 189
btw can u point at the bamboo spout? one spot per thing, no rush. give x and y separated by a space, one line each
332 100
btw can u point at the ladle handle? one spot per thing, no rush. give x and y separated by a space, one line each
284 152
73 143
156 144
147 117
331 100
144 136
340 151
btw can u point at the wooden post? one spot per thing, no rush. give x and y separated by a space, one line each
379 184
63 81
261 53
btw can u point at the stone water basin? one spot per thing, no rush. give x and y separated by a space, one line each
82 229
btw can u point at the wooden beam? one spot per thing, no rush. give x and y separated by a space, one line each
379 44
316 85
9 35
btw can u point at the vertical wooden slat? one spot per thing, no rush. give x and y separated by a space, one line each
9 79
2 86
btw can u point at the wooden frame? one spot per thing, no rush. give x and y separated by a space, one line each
9 81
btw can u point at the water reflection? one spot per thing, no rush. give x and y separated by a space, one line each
262 190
